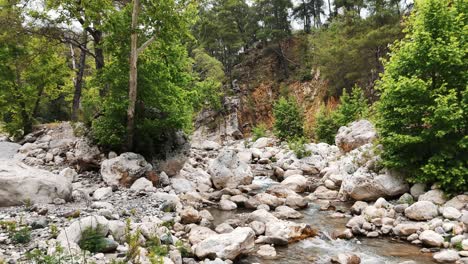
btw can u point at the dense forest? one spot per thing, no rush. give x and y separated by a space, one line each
136 72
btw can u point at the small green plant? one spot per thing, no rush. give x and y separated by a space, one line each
21 236
53 230
58 257
169 224
133 241
183 249
259 131
133 211
289 119
297 145
458 246
28 204
92 239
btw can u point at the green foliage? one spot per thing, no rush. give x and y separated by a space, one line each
325 127
133 241
38 256
165 94
210 76
259 131
349 51
297 145
92 239
423 111
21 236
289 119
352 107
183 249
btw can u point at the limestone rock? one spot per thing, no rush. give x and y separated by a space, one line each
20 183
354 135
226 246
124 169
423 210
227 171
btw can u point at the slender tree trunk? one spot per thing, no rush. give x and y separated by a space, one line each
40 91
329 9
132 89
79 79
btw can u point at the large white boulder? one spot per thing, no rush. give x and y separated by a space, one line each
20 183
226 246
124 169
227 171
297 183
365 185
423 210
431 238
354 135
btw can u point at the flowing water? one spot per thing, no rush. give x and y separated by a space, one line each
382 250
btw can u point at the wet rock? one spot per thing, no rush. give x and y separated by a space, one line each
224 228
447 256
258 227
343 233
20 183
189 216
358 207
435 196
422 210
285 212
239 199
297 183
263 198
408 228
227 171
323 192
267 252
226 246
431 238
199 233
346 259
227 205
277 241
124 169
354 135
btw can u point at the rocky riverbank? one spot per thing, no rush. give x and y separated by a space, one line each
141 212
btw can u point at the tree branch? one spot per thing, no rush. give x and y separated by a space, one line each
146 44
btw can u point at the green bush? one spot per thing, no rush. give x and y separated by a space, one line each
423 111
352 107
92 239
259 131
21 236
289 119
297 145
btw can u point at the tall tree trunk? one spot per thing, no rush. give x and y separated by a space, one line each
40 91
329 9
132 88
79 79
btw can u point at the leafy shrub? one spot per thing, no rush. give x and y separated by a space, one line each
259 131
352 107
297 145
423 110
289 119
21 236
92 239
183 249
325 127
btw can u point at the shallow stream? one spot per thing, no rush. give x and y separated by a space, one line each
320 249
